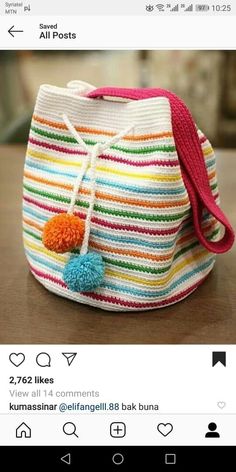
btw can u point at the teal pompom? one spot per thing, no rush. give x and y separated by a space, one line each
84 273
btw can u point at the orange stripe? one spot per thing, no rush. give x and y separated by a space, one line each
212 175
33 224
113 198
47 182
128 252
191 234
142 203
84 129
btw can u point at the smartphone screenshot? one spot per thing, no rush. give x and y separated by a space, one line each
118 218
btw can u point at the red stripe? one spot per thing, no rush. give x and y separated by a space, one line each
139 229
105 157
56 148
104 223
47 277
119 301
51 208
166 163
162 303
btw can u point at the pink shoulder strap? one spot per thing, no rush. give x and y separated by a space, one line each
191 159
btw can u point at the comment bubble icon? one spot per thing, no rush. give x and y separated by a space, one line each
43 359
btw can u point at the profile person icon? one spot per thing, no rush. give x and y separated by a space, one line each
212 433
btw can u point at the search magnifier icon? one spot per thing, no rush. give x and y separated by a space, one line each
69 428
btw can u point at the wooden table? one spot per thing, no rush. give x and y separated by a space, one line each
30 314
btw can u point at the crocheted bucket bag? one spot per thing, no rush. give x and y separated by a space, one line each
120 205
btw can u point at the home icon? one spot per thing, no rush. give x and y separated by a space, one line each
23 431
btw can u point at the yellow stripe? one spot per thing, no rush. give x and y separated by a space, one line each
208 151
164 280
41 155
43 250
159 177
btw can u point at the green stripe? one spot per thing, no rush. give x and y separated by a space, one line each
128 214
151 270
136 267
70 139
100 209
57 198
33 234
214 186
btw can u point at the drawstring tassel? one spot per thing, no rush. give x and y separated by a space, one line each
84 273
63 232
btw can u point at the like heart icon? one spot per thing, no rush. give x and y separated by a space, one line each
17 359
221 405
165 428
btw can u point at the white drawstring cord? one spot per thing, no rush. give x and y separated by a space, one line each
95 152
84 166
91 158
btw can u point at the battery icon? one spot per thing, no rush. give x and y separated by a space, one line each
202 8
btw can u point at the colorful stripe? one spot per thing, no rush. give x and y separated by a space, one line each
139 292
109 170
172 270
87 130
104 210
109 183
107 157
72 140
108 197
117 301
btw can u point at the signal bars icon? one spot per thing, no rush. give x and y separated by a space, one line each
175 8
190 8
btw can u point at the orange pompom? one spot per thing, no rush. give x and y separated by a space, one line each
63 232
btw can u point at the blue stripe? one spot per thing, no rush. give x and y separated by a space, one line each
34 213
34 165
210 163
110 183
48 264
139 242
161 293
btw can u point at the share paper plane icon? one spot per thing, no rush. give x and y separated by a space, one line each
70 356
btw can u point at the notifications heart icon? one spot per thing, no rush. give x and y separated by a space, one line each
17 359
221 405
165 428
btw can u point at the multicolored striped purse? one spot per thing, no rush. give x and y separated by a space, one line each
120 203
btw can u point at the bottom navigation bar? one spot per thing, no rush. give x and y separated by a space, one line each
110 458
118 430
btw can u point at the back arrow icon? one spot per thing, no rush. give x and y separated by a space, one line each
66 459
11 31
